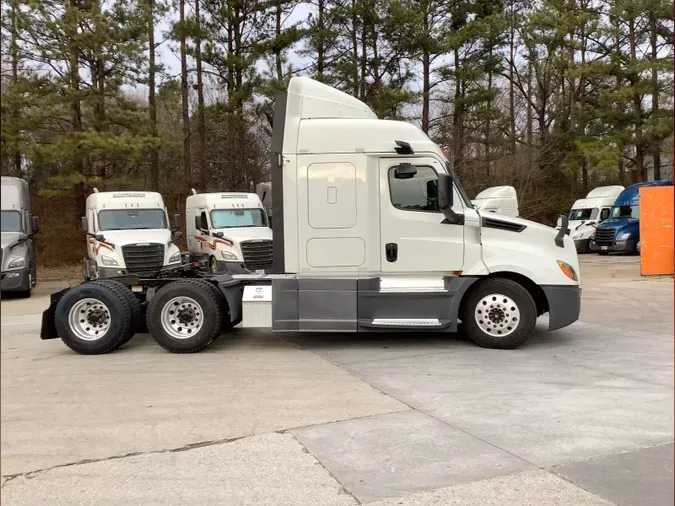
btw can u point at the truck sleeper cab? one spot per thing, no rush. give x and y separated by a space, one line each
621 231
373 232
229 232
128 233
17 253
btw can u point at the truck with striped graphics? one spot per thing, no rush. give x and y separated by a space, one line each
228 232
128 233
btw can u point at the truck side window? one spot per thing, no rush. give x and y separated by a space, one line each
418 193
604 214
205 221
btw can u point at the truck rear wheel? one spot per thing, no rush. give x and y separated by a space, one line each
499 313
92 319
134 304
185 316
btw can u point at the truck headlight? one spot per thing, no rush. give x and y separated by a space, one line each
624 236
175 258
109 261
16 263
227 255
568 270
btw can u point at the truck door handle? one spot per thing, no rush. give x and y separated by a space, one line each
391 251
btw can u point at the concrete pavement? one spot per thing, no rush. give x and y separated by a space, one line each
581 416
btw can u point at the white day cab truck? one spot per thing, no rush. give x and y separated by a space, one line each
229 232
497 199
586 214
372 233
128 234
17 255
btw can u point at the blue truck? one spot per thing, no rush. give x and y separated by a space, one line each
621 231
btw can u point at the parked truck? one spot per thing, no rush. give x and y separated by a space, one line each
586 214
497 199
229 232
373 232
17 256
621 231
128 233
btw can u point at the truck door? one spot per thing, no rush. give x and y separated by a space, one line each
413 237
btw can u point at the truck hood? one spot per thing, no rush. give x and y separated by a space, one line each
123 237
9 238
246 233
618 222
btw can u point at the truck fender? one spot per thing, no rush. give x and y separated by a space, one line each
48 330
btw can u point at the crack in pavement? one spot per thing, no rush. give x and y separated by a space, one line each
190 446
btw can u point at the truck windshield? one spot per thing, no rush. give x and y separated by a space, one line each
458 185
583 214
131 219
11 221
626 212
235 218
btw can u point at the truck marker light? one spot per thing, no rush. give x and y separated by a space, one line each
568 270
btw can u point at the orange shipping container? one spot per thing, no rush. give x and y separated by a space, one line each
657 255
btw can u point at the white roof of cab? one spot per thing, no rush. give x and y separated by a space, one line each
605 191
497 192
125 200
223 200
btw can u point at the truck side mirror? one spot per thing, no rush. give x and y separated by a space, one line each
445 195
405 171
176 234
176 221
35 224
219 235
84 224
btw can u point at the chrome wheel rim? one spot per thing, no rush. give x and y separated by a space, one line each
214 266
89 319
497 315
182 317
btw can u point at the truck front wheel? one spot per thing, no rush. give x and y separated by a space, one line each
92 319
499 313
185 316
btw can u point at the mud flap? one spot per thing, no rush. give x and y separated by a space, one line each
48 330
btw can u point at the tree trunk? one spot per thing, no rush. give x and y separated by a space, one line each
277 32
529 119
426 78
152 104
15 78
458 119
187 176
355 50
488 121
639 174
201 120
320 48
512 93
619 109
656 143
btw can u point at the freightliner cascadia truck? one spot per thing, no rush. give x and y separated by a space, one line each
373 232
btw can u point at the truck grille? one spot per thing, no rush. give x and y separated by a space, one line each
605 236
257 254
143 258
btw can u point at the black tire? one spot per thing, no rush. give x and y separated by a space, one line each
213 265
120 316
603 253
524 324
134 304
207 296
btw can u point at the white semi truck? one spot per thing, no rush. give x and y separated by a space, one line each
372 233
128 233
229 232
17 255
586 214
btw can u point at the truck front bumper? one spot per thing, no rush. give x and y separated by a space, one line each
614 247
15 280
582 245
564 305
